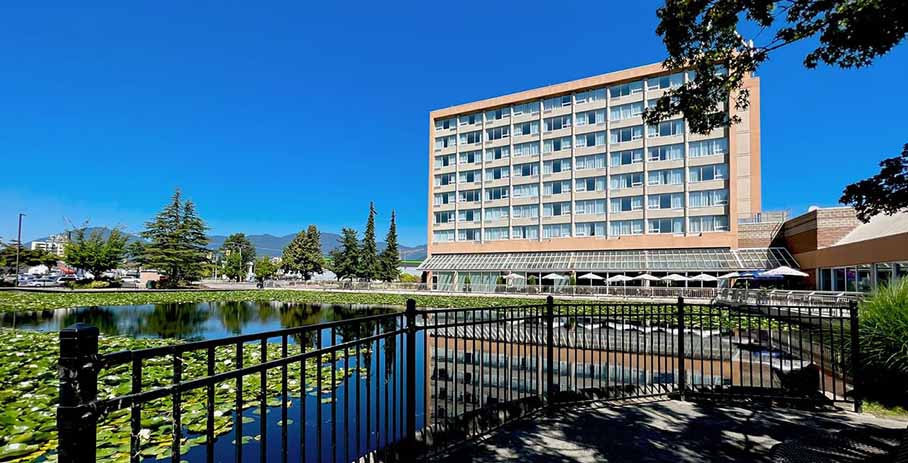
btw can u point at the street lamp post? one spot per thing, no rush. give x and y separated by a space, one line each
18 247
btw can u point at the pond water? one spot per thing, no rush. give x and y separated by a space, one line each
210 320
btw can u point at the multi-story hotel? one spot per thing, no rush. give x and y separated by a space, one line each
568 178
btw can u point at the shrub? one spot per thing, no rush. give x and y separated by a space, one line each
88 284
408 278
883 321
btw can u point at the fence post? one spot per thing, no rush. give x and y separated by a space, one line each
682 379
855 357
550 348
411 375
78 374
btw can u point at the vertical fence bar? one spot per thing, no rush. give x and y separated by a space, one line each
209 410
550 348
177 412
855 358
410 437
682 380
135 420
76 424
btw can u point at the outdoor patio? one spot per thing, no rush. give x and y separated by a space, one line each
672 430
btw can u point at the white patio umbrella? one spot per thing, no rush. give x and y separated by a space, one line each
784 271
674 277
646 277
617 278
591 277
703 277
554 276
514 276
729 276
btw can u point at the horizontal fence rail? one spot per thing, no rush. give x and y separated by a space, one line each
404 386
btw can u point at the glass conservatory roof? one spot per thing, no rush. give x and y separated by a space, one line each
655 260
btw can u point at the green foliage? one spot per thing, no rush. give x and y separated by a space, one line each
532 281
176 242
408 278
369 266
234 267
88 284
886 192
265 269
390 257
304 254
93 253
240 253
703 36
27 258
883 319
345 260
135 253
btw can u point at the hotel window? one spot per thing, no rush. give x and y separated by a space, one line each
469 215
622 181
444 179
498 114
526 128
589 206
631 88
627 134
589 96
470 176
625 227
595 161
666 177
708 147
708 198
556 188
590 229
526 211
445 124
444 198
665 201
557 123
556 144
496 234
666 153
707 173
591 139
492 214
497 173
651 103
674 225
526 170
468 234
471 157
557 102
625 111
494 154
497 133
628 204
444 161
591 118
526 108
526 149
529 232
623 158
493 194
468 196
665 129
556 209
556 166
471 138
530 190
443 236
558 230
444 217
665 82
444 142
471 119
590 184
708 223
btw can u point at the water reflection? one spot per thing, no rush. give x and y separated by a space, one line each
200 321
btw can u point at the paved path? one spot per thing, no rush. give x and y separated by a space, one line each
675 431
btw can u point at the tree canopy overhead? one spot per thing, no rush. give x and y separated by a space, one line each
884 193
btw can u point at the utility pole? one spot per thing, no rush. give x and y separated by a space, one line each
18 247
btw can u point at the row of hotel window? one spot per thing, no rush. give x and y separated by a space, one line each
616 182
550 104
674 152
621 135
703 224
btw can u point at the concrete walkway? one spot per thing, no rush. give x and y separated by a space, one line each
674 431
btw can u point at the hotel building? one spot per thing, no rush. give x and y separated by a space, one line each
568 178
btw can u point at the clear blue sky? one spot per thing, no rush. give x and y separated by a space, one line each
274 116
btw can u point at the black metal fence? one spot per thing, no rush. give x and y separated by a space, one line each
405 386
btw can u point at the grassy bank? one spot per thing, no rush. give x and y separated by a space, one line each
17 301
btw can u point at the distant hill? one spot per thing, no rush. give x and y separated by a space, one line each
273 246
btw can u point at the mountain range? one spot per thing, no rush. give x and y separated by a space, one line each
273 246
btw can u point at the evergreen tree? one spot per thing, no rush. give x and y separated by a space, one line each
304 254
369 265
390 257
346 259
176 242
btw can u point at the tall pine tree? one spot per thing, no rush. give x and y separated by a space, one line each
176 242
346 258
369 265
304 254
390 257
